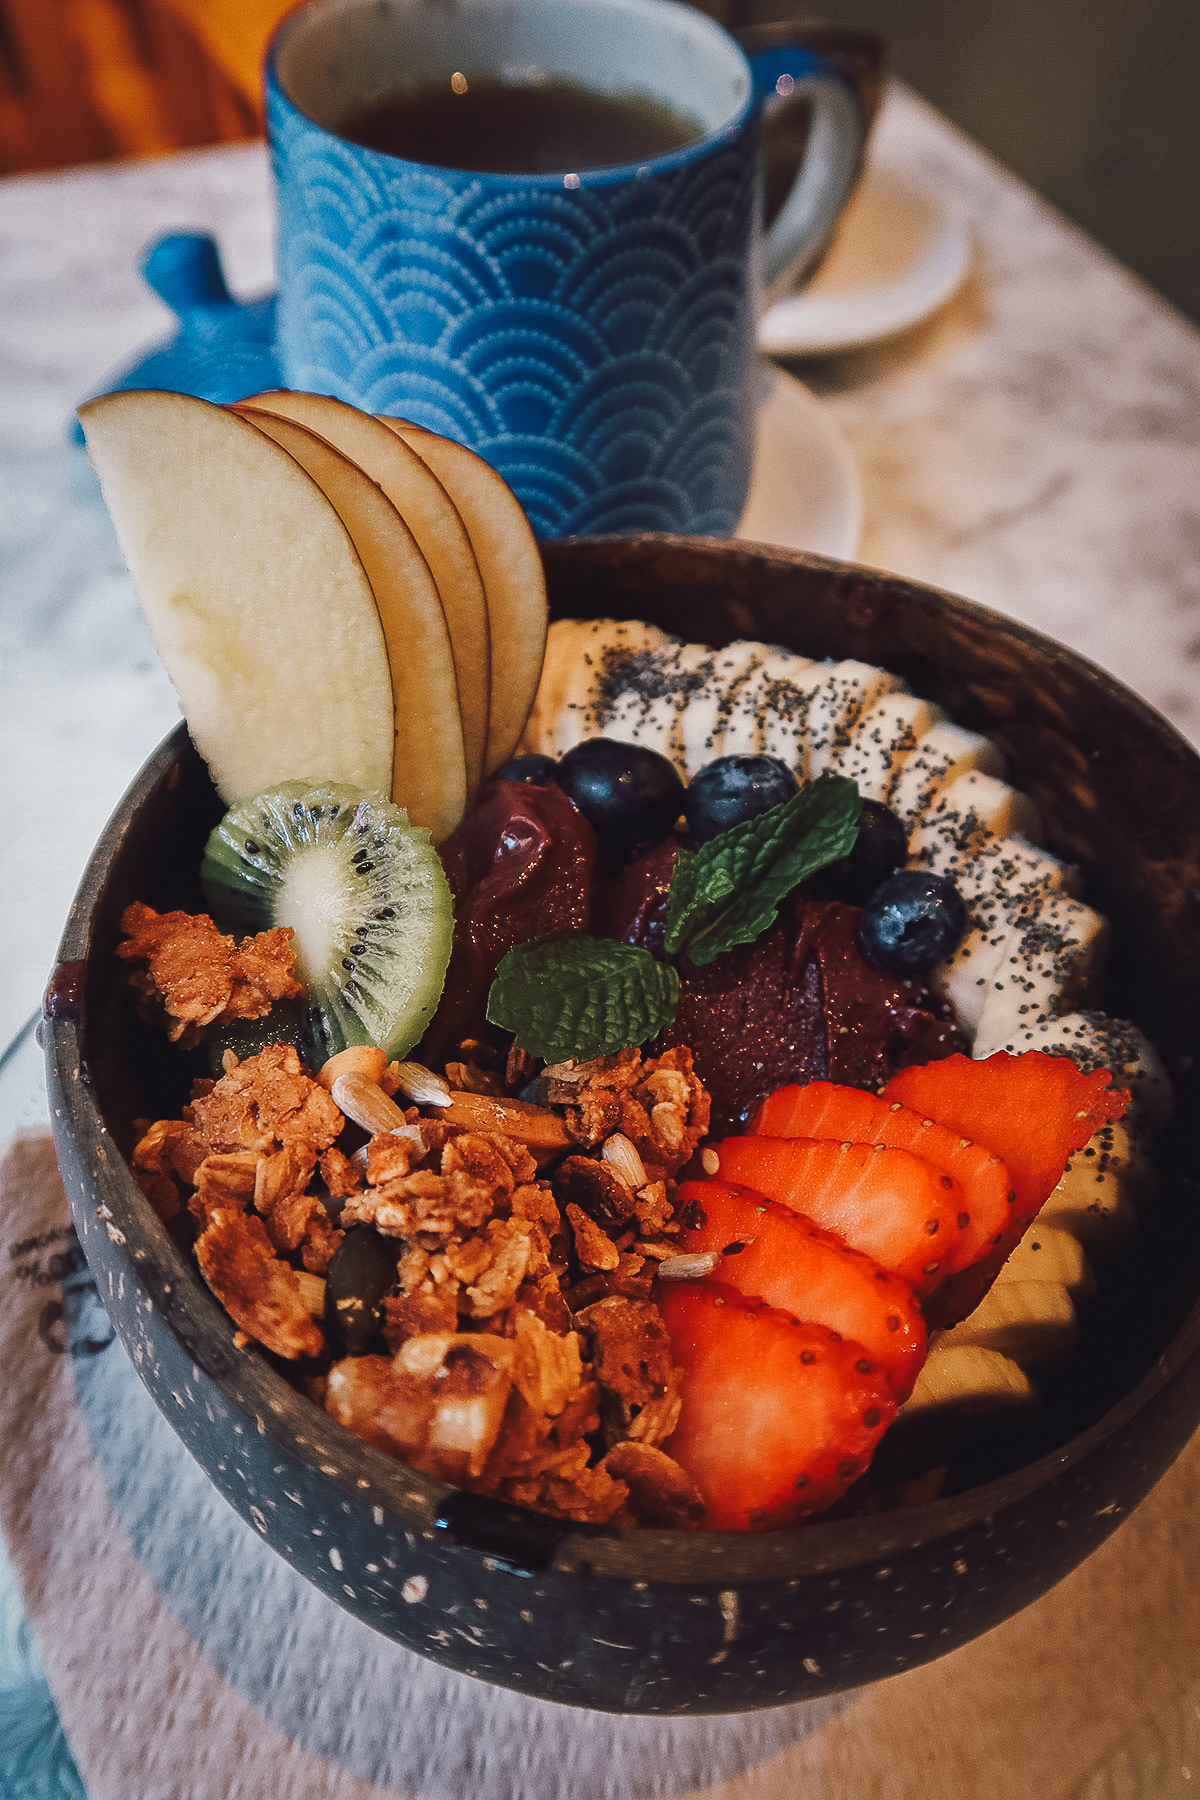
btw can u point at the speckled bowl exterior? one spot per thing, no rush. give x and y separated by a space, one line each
654 1622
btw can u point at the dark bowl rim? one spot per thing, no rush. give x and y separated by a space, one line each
819 1546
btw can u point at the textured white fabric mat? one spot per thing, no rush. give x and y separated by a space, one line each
189 1663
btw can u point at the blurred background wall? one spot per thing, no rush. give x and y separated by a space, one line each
1096 103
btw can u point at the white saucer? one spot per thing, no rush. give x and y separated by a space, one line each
805 493
901 250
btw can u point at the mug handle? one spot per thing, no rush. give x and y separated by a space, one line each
837 73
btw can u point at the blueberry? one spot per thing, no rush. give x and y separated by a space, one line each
912 921
627 793
733 788
535 770
880 848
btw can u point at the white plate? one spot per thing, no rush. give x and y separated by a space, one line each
901 250
804 488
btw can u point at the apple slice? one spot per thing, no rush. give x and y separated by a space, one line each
513 579
429 778
434 520
253 591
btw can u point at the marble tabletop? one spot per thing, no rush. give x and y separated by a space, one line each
1035 446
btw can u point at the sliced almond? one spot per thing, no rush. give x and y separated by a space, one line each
693 1265
358 1097
534 1126
422 1086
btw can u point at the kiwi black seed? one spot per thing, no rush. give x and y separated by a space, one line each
365 895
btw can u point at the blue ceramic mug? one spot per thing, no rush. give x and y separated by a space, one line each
590 331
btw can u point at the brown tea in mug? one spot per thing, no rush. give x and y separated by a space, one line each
505 129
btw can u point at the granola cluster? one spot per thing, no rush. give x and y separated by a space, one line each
518 1350
188 975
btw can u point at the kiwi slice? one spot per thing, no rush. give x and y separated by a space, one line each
365 895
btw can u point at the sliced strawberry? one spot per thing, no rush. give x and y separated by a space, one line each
1033 1110
774 1254
891 1205
822 1109
778 1418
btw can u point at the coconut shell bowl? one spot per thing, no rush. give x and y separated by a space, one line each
644 1621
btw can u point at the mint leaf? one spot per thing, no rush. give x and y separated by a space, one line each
726 893
570 995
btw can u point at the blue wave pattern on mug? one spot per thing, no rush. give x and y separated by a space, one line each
591 342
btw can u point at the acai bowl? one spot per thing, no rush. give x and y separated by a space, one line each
656 1621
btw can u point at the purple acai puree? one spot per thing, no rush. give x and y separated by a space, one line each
753 1019
632 904
519 866
801 1004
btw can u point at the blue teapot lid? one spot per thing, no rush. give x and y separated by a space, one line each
224 349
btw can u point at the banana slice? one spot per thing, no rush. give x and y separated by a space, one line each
649 711
1121 1145
885 735
966 978
1033 1322
849 689
712 703
1052 962
1051 1253
967 1378
788 701
943 753
1029 1315
588 664
755 700
1002 880
968 812
1017 961
1094 1205
548 719
995 870
1021 962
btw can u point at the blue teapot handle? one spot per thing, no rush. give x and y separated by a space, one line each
787 64
184 269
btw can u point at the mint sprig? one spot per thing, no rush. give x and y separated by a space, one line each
569 995
727 892
574 996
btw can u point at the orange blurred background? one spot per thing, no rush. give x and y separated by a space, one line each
89 80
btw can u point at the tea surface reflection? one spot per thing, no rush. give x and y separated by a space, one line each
498 127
